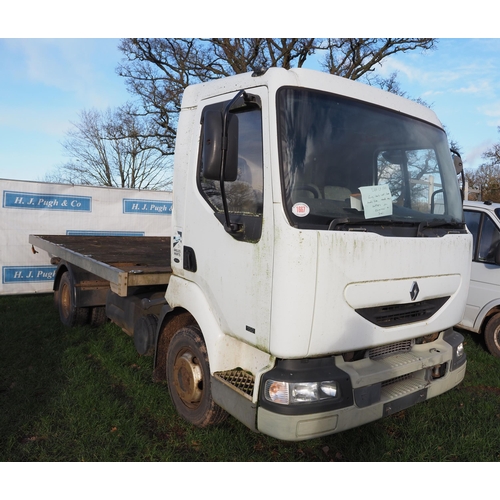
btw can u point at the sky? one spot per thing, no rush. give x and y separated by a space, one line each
46 82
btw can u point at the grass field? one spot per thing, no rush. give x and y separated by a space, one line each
84 394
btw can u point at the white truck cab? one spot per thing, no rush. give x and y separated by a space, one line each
482 312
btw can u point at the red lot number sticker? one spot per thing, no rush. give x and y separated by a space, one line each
300 209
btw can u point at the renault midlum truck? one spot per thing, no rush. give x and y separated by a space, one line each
318 260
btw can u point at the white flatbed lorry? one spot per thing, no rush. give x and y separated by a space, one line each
318 261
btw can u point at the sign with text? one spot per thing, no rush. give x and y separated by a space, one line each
155 207
377 201
27 274
39 201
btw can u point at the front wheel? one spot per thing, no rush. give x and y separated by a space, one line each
188 378
492 335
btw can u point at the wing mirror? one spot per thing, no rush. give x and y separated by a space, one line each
214 143
457 161
396 157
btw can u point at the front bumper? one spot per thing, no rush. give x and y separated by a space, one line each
380 388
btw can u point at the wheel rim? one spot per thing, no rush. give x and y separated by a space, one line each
65 300
188 378
496 338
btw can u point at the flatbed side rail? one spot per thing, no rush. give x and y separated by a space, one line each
117 261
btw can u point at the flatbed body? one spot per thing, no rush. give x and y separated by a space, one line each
124 261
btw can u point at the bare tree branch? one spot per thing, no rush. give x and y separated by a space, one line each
131 146
486 177
114 148
157 70
353 58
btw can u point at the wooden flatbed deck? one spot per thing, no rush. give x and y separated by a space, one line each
124 261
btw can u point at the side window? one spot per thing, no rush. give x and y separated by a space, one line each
488 243
473 219
245 194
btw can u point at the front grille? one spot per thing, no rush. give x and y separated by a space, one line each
396 380
402 314
240 379
390 349
397 389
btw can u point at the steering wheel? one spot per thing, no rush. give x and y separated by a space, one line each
312 189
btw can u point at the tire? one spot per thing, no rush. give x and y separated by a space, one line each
68 312
492 335
98 316
188 379
56 299
145 334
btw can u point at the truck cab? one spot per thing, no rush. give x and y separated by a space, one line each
482 312
319 255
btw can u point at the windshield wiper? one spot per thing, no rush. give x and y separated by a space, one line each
343 221
360 223
455 227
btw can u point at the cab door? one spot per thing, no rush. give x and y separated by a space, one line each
234 265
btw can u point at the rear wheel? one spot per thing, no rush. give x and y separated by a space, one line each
68 312
98 316
492 335
188 378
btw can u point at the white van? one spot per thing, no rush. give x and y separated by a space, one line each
482 312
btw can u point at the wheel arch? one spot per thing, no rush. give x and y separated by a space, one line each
486 314
62 267
77 274
170 321
188 305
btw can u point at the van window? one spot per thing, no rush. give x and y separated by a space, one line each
473 221
485 234
488 242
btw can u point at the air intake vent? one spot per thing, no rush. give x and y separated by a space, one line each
389 350
239 379
402 314
397 380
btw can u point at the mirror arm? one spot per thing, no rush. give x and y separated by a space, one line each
229 226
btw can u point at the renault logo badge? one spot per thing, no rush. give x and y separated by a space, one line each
414 290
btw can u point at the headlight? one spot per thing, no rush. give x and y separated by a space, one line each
286 393
460 350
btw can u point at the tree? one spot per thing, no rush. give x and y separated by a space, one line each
114 148
354 58
492 155
391 85
486 178
157 70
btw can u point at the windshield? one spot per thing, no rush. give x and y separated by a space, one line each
347 161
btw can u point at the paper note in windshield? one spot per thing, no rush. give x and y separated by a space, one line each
377 201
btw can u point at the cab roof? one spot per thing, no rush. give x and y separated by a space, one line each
274 78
